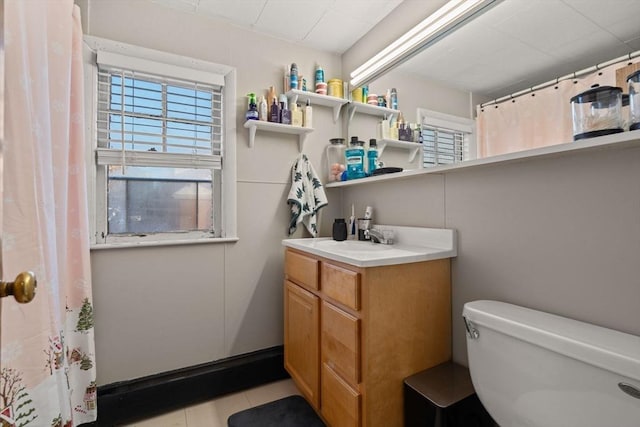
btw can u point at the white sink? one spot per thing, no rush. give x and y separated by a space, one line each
350 246
413 244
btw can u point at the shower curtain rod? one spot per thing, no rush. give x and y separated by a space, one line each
557 80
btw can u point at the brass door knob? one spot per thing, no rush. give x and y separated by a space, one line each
23 288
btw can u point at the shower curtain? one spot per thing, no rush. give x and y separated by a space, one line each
535 119
47 364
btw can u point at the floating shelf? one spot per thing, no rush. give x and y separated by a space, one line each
254 125
413 147
372 110
295 95
618 141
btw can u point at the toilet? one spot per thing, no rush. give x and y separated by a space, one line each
535 369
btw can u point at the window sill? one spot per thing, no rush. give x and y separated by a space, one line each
102 246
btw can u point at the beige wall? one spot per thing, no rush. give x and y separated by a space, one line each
559 235
165 308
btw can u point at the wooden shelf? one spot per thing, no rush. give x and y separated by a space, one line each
295 95
254 125
412 147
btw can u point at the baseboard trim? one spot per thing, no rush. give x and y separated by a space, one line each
129 401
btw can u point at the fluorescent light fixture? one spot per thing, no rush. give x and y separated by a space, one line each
450 16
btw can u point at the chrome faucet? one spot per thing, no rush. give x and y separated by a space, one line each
377 236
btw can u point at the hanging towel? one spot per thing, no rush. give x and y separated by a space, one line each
306 196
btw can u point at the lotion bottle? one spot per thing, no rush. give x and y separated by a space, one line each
263 110
308 115
296 115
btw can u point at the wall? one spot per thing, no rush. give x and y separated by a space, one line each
164 308
560 235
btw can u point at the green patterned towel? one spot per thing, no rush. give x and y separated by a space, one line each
306 196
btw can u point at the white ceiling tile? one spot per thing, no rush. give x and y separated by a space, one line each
292 19
367 11
184 5
592 49
245 12
606 13
545 24
324 35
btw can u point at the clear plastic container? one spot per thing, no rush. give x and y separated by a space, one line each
596 112
634 100
336 159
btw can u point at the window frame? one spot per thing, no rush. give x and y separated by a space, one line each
450 122
224 179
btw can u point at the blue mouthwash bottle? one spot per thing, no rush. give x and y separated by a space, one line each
372 156
354 156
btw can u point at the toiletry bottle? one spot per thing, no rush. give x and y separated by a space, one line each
252 111
308 115
286 79
293 76
394 98
296 115
393 130
271 95
372 156
274 112
354 156
319 75
384 128
285 113
263 110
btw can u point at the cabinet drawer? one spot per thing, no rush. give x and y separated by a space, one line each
340 342
301 269
341 285
340 403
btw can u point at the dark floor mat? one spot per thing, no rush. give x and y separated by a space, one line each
292 411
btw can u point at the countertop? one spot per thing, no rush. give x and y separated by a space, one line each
413 244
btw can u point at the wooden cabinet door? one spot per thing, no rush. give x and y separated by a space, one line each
301 340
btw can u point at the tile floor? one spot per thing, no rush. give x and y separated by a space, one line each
215 412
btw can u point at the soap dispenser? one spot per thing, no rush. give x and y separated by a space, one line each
252 111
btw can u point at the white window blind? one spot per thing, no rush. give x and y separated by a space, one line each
143 118
446 139
442 146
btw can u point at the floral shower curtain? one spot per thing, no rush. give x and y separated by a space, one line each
537 119
47 365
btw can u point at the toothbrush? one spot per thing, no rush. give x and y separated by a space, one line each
352 222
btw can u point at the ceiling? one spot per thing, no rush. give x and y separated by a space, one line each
513 46
522 43
327 25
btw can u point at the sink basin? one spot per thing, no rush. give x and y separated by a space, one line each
351 246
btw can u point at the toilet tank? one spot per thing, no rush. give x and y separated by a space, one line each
535 369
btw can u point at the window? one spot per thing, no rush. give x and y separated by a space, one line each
162 157
446 139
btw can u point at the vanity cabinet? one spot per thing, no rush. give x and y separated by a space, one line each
352 334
